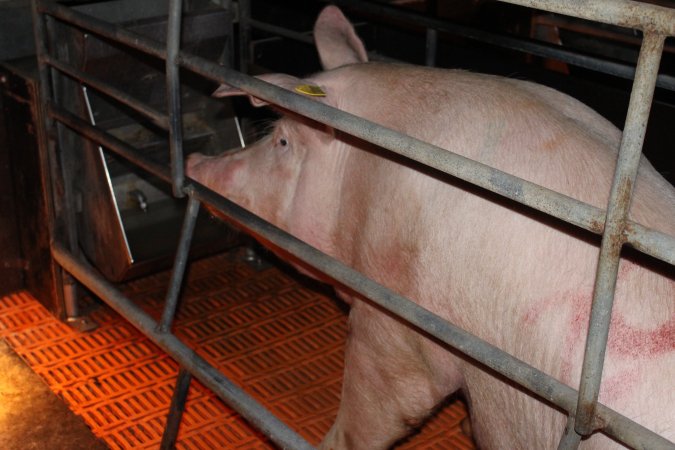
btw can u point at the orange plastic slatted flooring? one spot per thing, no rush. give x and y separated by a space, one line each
281 342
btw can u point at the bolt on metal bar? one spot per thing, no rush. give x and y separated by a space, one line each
158 118
506 41
108 141
173 95
179 265
201 369
176 410
532 379
583 215
613 237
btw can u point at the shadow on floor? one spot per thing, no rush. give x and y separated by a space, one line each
31 416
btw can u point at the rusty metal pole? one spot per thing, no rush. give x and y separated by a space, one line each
180 263
173 96
615 223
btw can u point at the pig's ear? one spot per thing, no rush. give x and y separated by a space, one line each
336 40
288 82
225 90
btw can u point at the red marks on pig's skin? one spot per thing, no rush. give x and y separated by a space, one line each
632 342
620 384
625 341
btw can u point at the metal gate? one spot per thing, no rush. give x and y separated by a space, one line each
585 414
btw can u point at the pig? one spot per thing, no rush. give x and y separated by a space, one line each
512 277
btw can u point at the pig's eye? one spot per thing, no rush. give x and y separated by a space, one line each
283 142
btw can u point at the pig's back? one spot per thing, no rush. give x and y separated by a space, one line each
525 129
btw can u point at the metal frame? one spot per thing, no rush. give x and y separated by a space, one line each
585 414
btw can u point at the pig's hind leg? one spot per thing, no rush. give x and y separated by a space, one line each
389 384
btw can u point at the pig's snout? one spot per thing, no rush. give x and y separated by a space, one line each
194 160
220 173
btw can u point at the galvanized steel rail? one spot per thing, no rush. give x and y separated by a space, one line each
519 44
585 415
613 237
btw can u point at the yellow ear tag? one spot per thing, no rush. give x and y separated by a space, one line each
311 90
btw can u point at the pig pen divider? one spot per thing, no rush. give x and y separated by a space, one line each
582 412
532 47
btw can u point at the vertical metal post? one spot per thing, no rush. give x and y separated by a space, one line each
613 237
173 35
431 37
244 35
179 265
570 440
431 44
227 56
68 288
176 410
40 33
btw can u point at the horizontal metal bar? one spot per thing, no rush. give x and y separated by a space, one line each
158 118
230 393
650 242
542 199
506 41
544 386
281 31
156 49
625 13
102 28
109 141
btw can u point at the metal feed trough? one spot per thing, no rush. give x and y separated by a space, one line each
585 414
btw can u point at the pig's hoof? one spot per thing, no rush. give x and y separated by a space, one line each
465 426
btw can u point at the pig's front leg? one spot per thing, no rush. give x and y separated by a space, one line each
389 384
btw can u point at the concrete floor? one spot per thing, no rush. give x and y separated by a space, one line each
34 418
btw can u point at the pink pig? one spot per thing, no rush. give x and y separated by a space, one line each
516 280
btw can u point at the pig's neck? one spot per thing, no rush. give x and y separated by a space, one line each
313 216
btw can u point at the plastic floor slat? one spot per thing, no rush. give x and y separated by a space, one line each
280 341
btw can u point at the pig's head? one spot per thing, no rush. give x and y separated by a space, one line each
299 161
